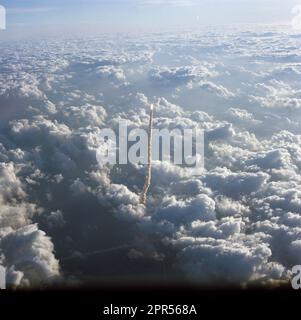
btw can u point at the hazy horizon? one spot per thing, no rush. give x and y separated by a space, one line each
52 17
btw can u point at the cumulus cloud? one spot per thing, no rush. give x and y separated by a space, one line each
278 95
26 252
179 76
219 261
219 90
28 257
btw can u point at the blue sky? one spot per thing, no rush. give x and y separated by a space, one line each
127 15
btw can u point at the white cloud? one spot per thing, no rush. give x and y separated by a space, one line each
29 253
20 10
177 3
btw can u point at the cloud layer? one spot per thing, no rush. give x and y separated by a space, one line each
63 218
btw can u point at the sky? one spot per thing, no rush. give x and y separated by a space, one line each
142 15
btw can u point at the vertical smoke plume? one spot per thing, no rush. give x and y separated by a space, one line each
148 177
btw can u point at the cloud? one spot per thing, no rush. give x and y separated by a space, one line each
235 184
179 76
176 3
26 252
219 261
219 90
279 94
177 211
28 257
112 73
21 10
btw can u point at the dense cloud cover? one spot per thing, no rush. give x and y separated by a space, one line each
63 218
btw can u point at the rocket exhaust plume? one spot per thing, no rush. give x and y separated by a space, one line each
148 176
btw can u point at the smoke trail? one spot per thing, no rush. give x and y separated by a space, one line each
148 177
98 252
